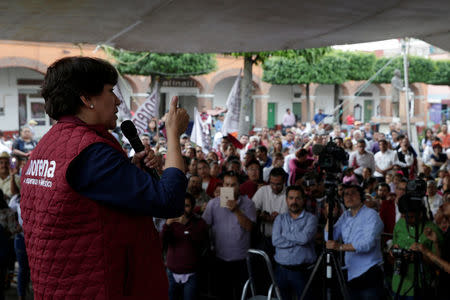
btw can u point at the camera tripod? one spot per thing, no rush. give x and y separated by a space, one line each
328 261
419 282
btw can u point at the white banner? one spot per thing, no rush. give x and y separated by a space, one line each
123 91
231 122
147 111
201 133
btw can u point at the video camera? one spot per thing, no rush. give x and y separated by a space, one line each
413 200
331 157
402 257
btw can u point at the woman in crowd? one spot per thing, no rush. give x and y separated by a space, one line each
153 132
277 147
254 180
437 159
348 145
24 145
406 159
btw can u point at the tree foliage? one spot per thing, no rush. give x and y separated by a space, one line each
361 65
330 69
164 65
420 69
337 67
442 74
287 71
309 55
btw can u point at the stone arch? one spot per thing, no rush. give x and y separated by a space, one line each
230 73
132 83
23 62
202 84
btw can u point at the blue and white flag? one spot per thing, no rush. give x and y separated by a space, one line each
231 122
148 110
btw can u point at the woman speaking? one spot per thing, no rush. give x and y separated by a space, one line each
87 209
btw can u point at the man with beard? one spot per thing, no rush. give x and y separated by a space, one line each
293 238
185 237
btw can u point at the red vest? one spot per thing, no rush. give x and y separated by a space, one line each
78 248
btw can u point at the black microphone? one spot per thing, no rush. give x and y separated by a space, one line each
130 132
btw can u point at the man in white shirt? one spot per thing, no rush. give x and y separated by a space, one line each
385 160
361 159
270 200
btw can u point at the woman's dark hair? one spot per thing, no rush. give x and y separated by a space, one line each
71 77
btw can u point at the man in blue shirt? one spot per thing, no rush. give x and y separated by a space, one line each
360 228
293 238
319 116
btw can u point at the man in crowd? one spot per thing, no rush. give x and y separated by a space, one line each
361 159
194 188
264 159
385 160
209 183
360 229
444 136
270 200
231 224
278 161
289 140
186 239
293 239
319 116
288 119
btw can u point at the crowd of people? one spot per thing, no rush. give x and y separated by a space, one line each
265 190
280 206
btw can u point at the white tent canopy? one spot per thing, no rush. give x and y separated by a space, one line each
222 26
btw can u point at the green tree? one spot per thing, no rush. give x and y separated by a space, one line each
254 58
332 69
420 69
161 66
441 76
361 65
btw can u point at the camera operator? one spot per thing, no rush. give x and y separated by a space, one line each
413 217
360 229
442 256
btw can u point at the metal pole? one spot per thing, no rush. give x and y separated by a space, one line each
405 49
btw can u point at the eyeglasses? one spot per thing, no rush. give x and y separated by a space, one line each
276 184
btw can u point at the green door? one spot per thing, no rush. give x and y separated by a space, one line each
271 114
368 110
297 110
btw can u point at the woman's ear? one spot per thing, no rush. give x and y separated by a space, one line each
85 101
